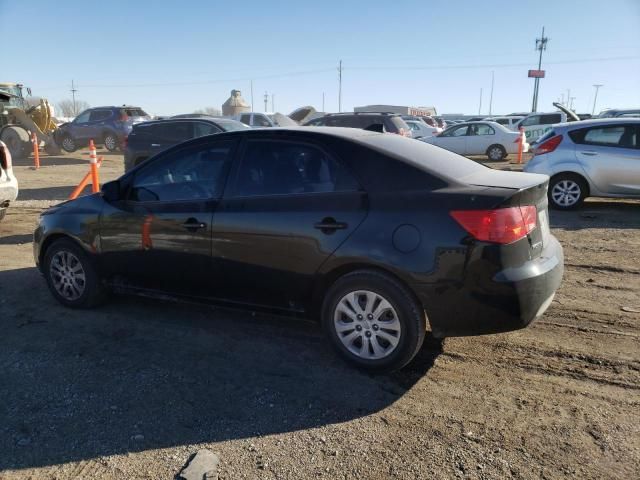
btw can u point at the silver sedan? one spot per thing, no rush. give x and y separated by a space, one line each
591 158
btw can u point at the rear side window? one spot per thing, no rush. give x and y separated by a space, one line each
99 115
190 174
482 129
246 119
285 168
624 136
550 118
396 125
173 132
134 112
261 121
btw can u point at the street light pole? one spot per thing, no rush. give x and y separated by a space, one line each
595 98
491 96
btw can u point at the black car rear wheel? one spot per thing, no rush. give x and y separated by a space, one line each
71 276
111 142
68 144
373 320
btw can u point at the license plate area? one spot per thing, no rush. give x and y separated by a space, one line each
543 219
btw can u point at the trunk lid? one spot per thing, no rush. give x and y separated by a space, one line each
523 189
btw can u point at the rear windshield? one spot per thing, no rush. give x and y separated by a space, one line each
423 156
399 124
231 125
135 112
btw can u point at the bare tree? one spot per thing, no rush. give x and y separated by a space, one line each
213 111
66 108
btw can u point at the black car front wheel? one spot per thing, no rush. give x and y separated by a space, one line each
71 276
111 142
68 144
373 320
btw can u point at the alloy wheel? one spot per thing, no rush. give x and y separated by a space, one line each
566 193
110 142
68 144
495 153
367 324
67 275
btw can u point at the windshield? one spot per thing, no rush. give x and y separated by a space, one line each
16 95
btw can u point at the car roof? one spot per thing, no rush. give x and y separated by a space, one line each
594 122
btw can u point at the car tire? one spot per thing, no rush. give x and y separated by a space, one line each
110 142
71 275
385 328
68 144
496 153
567 191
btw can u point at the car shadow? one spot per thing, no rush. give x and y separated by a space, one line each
47 193
139 374
598 213
46 161
16 239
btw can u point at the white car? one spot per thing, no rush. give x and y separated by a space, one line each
537 124
508 121
599 158
420 129
8 182
479 138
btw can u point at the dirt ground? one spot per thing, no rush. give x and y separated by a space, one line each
132 389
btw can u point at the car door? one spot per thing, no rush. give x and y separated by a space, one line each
479 138
97 124
454 139
80 127
610 155
290 205
158 235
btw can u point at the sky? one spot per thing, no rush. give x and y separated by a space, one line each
174 57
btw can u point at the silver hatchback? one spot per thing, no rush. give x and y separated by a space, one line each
591 158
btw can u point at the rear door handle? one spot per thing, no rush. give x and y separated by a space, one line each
192 225
329 224
591 153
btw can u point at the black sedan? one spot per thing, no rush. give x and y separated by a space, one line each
374 235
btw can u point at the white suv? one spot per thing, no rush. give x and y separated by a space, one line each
8 182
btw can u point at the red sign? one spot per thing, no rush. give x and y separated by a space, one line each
536 73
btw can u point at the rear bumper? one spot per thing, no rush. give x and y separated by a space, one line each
507 300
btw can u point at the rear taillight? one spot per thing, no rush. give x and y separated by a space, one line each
548 146
502 225
5 158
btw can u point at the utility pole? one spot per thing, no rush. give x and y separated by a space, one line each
73 95
571 103
323 101
480 106
562 97
491 96
568 96
593 110
541 45
340 87
273 108
266 100
252 96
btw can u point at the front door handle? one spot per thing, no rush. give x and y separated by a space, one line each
192 225
329 225
591 153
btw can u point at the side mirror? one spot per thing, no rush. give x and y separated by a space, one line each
111 191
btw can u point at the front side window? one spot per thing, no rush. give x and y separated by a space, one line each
550 118
456 132
246 119
201 129
285 168
623 136
261 121
83 117
174 132
189 174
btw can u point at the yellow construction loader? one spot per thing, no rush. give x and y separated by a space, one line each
18 122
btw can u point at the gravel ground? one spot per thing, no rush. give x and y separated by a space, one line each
133 389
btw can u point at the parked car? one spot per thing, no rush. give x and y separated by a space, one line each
614 112
479 138
441 122
8 181
536 125
509 122
599 158
107 126
148 138
419 129
377 122
364 231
